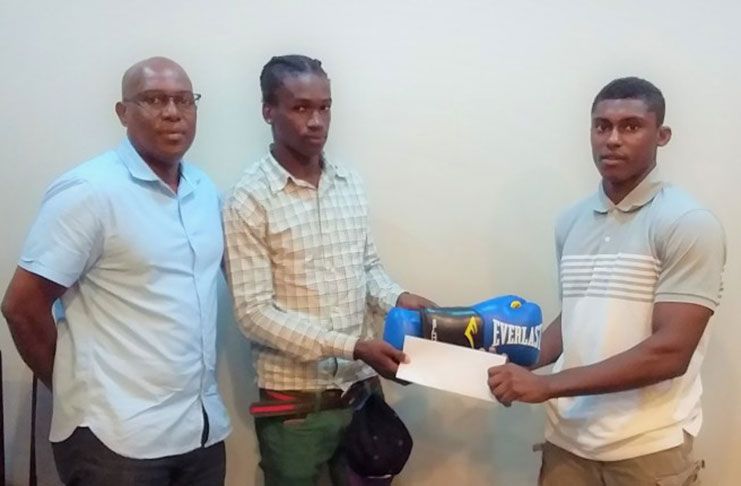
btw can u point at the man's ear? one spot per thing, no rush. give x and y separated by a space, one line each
267 113
122 112
665 134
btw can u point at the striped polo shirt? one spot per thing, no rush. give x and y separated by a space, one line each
615 261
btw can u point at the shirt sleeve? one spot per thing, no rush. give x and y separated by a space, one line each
382 291
560 233
67 237
251 280
693 256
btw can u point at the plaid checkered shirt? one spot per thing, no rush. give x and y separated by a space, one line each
303 270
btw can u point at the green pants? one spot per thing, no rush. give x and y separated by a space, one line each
293 451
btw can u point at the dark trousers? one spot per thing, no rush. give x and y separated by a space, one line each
83 460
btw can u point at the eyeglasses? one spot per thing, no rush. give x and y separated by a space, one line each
158 100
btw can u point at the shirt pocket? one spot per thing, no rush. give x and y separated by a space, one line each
347 235
295 240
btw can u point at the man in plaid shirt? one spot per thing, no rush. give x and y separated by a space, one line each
302 267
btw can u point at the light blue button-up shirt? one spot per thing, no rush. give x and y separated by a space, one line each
136 348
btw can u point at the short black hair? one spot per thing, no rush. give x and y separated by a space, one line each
634 88
280 67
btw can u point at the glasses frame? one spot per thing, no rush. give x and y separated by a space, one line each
137 99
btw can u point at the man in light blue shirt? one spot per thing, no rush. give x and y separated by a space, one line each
131 244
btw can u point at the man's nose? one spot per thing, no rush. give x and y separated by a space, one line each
170 110
614 138
315 120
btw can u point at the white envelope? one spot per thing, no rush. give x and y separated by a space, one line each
448 367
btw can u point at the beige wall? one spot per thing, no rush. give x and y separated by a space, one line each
469 122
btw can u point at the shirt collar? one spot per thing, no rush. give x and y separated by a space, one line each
141 170
278 176
641 195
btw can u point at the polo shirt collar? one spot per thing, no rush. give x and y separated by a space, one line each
141 170
641 195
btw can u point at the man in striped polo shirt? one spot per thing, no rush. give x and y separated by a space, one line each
640 276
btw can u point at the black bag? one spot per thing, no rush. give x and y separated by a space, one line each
377 443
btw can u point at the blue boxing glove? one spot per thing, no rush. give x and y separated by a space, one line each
454 325
505 325
512 326
399 323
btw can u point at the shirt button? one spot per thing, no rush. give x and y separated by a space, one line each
607 239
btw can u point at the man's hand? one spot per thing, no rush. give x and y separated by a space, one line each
414 302
380 356
509 383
